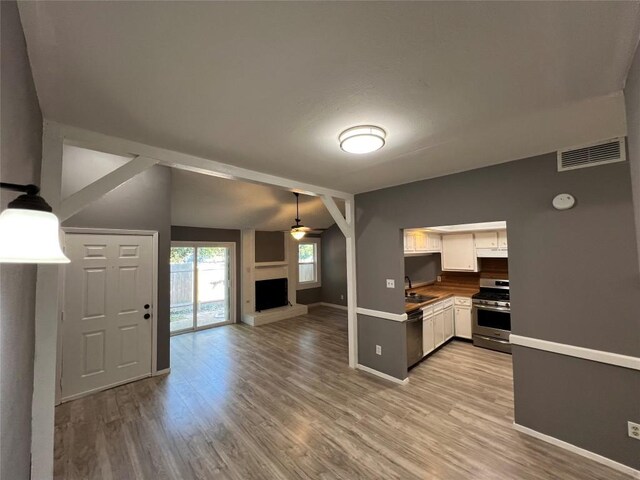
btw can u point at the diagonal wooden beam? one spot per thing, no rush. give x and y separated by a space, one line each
102 186
335 212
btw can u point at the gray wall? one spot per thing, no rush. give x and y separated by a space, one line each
196 234
20 154
632 102
142 203
270 246
582 262
334 266
423 268
391 336
584 403
309 295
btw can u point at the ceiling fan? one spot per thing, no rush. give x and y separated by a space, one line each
298 231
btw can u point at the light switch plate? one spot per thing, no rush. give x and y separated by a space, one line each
391 283
378 350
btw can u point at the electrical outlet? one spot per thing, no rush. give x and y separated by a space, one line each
634 430
341 297
378 350
391 283
439 278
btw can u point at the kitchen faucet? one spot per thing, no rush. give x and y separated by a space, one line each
406 277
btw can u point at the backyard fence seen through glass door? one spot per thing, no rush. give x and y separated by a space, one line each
202 291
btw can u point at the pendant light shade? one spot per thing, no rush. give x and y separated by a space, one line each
298 231
29 232
297 234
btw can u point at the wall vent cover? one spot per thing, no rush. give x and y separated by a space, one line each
608 151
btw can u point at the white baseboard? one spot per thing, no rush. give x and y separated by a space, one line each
580 451
164 371
382 375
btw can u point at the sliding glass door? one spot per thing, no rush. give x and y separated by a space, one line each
202 290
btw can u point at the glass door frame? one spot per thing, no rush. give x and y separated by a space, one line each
232 284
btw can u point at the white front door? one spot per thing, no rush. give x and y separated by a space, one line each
107 311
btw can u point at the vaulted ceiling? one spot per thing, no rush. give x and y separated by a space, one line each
270 85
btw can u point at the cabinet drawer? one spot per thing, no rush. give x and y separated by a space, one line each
464 301
427 311
448 302
437 307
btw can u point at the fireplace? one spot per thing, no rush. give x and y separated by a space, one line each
271 293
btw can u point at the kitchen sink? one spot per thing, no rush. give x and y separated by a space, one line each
417 298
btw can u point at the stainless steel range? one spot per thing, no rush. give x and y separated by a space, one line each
492 315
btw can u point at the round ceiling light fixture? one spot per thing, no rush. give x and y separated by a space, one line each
362 139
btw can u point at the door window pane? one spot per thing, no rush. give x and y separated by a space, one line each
213 285
182 288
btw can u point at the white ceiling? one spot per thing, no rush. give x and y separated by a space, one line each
269 86
204 201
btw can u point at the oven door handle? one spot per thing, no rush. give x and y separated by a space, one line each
493 309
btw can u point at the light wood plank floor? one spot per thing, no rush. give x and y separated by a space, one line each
279 402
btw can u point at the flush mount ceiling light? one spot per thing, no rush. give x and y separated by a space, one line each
362 139
29 232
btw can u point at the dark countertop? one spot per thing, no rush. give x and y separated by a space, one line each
441 291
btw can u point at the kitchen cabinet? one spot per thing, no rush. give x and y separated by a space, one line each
419 242
502 239
428 339
437 325
486 239
459 253
462 317
448 321
438 328
492 244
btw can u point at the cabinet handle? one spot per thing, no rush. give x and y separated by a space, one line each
147 316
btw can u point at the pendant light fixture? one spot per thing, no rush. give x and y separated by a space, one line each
298 230
29 232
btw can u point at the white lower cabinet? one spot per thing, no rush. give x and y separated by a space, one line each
437 325
428 340
448 321
462 315
438 328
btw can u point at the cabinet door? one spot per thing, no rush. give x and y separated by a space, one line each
459 253
463 322
420 242
409 242
448 323
486 239
502 239
433 242
428 342
438 328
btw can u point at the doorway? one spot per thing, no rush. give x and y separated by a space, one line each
108 312
202 286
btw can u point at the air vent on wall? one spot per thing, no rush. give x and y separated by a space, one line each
600 153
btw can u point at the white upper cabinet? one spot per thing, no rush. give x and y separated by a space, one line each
459 253
421 242
492 244
487 240
502 239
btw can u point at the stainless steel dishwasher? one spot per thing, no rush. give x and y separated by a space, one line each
414 338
